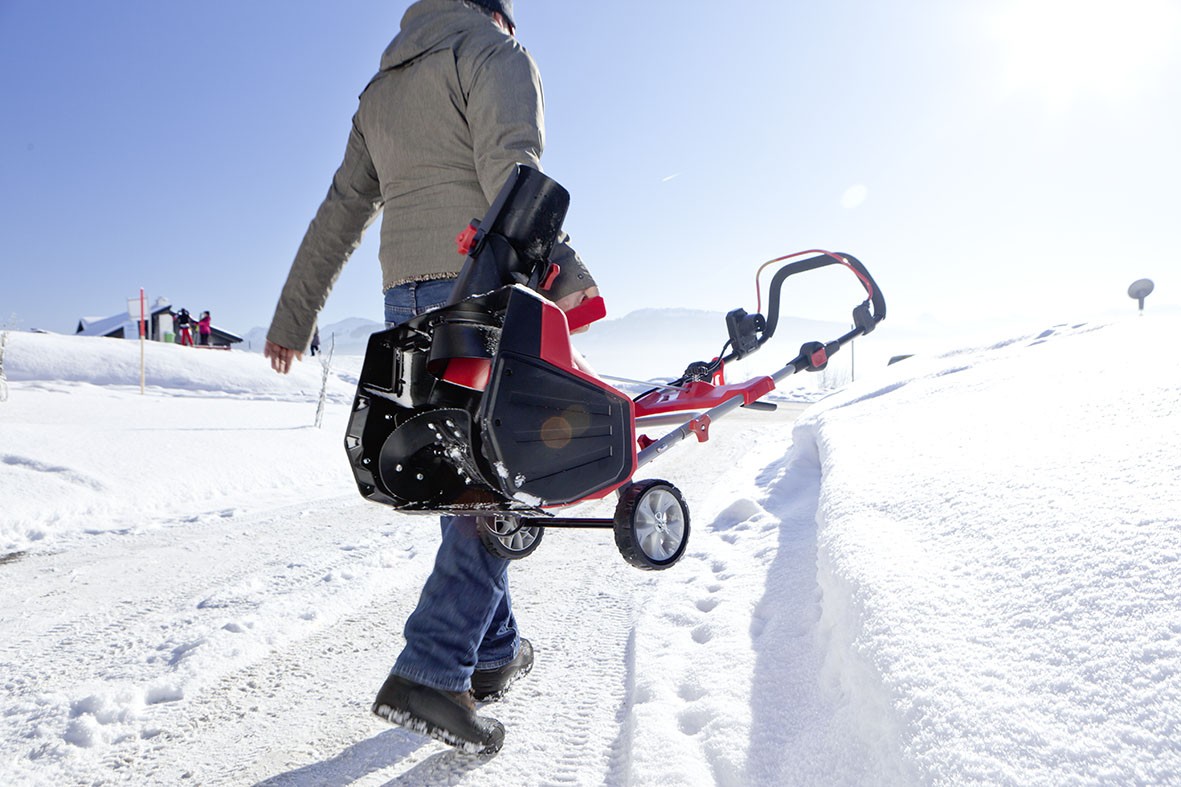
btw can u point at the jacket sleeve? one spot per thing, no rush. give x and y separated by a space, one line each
352 203
506 114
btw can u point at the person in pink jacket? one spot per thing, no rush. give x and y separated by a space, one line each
204 329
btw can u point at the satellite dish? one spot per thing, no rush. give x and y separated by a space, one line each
1140 289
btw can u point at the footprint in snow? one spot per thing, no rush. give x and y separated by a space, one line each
708 604
737 513
693 721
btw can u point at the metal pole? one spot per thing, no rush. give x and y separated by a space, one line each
142 374
701 422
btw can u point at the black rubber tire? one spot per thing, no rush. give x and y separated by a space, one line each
651 525
508 540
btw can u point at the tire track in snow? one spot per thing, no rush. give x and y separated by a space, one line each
577 606
247 729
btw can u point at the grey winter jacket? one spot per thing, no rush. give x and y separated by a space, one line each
454 107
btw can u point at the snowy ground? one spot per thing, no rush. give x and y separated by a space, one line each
965 570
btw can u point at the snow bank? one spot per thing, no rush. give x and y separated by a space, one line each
82 451
47 357
999 535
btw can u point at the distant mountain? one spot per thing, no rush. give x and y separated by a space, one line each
351 336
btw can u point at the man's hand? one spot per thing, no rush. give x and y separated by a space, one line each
568 302
281 357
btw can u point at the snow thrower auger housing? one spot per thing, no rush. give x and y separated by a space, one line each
479 408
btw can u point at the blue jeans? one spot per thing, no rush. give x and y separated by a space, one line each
414 298
464 619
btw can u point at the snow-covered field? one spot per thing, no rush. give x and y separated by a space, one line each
962 568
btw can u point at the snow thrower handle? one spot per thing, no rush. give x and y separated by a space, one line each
814 355
748 332
864 320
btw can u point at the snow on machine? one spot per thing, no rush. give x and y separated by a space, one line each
479 408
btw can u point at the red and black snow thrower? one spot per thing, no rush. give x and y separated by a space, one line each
478 407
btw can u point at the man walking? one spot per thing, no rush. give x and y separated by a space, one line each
455 106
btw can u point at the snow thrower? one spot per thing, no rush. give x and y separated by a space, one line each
479 408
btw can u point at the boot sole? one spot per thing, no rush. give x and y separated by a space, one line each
422 727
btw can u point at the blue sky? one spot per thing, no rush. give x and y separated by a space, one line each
987 160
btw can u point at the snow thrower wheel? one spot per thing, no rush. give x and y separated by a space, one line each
508 539
651 525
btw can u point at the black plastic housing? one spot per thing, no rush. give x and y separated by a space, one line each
515 238
476 406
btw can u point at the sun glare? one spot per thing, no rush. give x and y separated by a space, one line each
1063 49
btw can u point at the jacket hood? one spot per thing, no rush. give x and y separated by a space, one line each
428 25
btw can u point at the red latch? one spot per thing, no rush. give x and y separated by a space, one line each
819 358
644 441
551 273
466 239
700 427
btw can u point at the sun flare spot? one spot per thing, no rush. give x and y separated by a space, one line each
854 196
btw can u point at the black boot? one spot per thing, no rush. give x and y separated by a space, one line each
488 685
449 717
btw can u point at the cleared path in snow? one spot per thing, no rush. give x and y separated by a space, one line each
234 648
